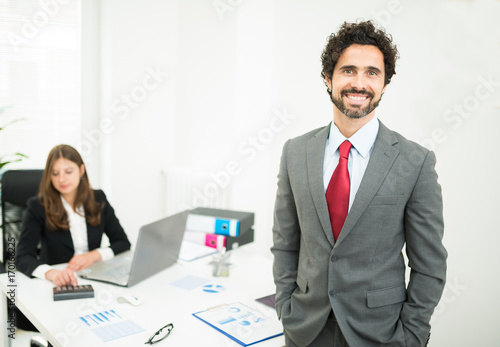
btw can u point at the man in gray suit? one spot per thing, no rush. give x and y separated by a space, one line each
349 289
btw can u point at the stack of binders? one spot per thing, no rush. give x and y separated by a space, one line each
218 228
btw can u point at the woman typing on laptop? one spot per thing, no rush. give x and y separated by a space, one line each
68 218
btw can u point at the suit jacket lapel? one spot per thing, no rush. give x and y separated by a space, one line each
93 235
315 158
65 238
381 160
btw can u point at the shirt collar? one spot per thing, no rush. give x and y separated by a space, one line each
362 140
79 211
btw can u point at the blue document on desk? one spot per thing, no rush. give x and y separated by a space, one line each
109 325
241 323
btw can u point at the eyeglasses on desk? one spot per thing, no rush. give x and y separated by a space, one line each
160 335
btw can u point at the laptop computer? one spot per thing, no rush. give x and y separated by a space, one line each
158 246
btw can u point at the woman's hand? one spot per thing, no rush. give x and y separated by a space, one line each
61 277
83 261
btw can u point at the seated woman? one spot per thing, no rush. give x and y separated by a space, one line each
68 218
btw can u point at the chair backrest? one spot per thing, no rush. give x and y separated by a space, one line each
17 187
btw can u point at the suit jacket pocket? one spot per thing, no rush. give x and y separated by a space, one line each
388 199
302 283
386 296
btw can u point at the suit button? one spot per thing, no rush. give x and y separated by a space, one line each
332 292
334 258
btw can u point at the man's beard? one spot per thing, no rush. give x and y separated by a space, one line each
356 111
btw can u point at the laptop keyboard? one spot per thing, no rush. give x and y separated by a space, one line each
119 272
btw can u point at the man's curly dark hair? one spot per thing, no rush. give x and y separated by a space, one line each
363 33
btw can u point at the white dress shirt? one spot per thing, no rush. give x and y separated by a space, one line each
362 144
78 230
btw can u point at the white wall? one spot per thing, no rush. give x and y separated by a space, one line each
224 76
223 83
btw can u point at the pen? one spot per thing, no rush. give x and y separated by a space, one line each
89 317
116 313
97 317
216 307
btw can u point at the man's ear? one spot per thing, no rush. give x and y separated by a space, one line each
328 82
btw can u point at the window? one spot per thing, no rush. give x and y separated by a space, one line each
40 77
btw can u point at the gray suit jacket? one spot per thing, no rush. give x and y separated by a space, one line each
361 276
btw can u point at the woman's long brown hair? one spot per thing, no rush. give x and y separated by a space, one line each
57 218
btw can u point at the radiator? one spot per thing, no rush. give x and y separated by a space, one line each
186 189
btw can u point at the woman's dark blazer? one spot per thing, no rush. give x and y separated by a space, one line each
57 246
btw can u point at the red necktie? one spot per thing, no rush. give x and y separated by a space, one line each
337 193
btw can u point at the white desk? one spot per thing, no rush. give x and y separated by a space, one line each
162 303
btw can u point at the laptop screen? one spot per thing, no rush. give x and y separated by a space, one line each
158 246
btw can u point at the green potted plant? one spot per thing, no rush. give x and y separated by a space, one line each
11 157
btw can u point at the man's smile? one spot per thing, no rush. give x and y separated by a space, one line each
356 97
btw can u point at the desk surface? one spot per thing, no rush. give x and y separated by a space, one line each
162 302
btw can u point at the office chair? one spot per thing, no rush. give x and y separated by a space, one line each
17 187
38 341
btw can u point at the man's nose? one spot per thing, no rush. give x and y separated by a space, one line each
358 82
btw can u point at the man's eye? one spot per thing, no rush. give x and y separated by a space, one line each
348 72
372 73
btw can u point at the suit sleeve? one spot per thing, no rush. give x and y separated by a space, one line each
114 231
286 239
424 227
27 259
